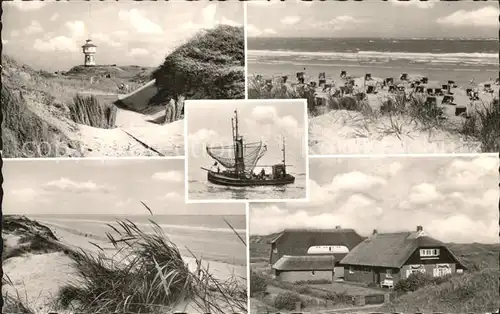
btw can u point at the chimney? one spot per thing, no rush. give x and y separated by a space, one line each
375 232
420 229
337 227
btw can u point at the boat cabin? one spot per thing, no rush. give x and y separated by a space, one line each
424 80
279 171
419 89
322 78
404 77
447 99
300 77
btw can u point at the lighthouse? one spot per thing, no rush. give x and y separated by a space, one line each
89 50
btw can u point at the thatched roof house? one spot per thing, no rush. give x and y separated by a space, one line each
297 242
394 256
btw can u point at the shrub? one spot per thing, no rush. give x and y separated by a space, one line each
258 284
339 297
287 301
418 280
484 124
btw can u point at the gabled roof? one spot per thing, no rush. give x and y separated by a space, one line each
390 249
312 237
305 262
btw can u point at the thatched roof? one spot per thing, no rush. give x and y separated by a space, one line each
390 249
209 66
305 262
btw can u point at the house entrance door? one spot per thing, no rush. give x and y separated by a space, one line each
376 276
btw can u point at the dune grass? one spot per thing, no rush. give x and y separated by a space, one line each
208 66
484 124
475 292
88 111
147 275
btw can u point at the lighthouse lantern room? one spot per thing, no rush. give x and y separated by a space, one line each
89 50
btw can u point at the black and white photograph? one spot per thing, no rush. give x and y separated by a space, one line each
382 77
387 234
246 150
109 78
115 235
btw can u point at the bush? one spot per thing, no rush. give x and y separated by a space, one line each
339 297
287 301
484 124
258 284
418 280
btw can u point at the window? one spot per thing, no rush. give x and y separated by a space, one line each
388 273
415 269
312 272
429 252
441 270
275 250
351 270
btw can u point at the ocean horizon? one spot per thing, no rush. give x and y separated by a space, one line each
439 59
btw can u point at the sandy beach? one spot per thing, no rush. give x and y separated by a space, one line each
37 277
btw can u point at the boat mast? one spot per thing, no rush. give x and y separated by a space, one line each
283 151
238 147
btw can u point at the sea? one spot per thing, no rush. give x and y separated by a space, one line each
204 190
206 236
461 60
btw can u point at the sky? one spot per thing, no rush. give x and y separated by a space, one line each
454 198
393 19
113 186
268 121
49 34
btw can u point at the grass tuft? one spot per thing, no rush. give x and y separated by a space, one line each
88 111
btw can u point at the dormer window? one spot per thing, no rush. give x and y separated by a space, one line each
275 250
429 252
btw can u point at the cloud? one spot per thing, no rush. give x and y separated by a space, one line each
171 196
54 17
24 195
122 203
225 21
170 176
26 5
106 39
4 41
415 3
290 20
59 43
468 174
355 182
77 28
141 24
264 114
252 30
484 17
15 33
33 28
424 193
209 13
65 184
135 52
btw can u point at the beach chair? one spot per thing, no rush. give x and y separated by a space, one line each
370 89
438 92
412 85
452 83
404 77
392 88
460 111
352 82
419 89
269 85
312 84
284 78
424 80
401 88
475 95
368 76
342 91
343 74
430 91
468 92
497 81
300 77
487 88
447 100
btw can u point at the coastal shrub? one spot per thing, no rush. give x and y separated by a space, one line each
209 66
258 284
148 274
418 280
313 282
88 111
339 297
288 300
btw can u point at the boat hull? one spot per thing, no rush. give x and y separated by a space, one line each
221 179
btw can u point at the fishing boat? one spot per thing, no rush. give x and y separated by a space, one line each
239 161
